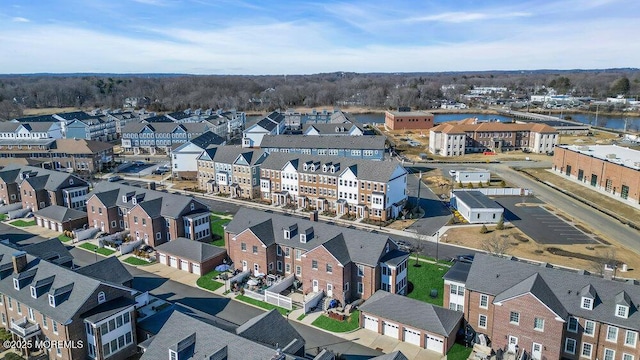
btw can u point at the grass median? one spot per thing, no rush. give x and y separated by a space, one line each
93 248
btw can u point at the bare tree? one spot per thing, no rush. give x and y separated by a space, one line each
496 245
603 261
418 246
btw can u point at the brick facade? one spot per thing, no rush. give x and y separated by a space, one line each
413 120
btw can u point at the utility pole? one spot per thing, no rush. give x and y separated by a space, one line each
437 243
419 184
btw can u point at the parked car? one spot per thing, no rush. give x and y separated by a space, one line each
452 172
114 178
404 245
468 258
160 170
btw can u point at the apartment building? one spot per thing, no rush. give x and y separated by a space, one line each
547 312
408 120
148 137
30 130
353 147
365 189
609 168
469 136
184 158
40 300
72 155
38 188
272 124
324 129
152 216
231 170
345 264
100 128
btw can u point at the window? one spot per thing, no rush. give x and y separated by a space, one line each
572 325
360 270
587 303
44 321
19 307
630 338
538 324
586 350
32 316
34 293
612 333
482 321
254 248
570 346
54 324
360 288
298 270
314 264
58 352
329 268
16 284
589 327
514 317
173 355
126 318
243 246
622 311
279 251
101 297
609 354
484 301
453 289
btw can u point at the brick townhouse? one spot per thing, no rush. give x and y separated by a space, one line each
38 188
365 189
231 170
550 313
346 264
149 215
40 300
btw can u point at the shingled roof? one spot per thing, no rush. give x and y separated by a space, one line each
373 142
190 249
60 213
261 330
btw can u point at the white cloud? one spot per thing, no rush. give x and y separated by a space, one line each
20 19
153 2
461 17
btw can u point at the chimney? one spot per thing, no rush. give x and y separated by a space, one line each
151 185
19 261
313 216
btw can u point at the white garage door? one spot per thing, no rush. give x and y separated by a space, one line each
45 224
434 343
390 329
39 221
59 227
184 265
412 336
196 269
371 323
173 262
163 259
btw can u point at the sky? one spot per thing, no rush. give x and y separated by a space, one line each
307 37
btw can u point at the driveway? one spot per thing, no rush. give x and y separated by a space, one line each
436 212
544 227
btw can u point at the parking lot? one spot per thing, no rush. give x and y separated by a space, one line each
143 168
539 224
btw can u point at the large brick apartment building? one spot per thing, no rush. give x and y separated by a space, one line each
408 120
550 313
610 168
346 264
153 216
469 136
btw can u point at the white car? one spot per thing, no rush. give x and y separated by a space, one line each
452 173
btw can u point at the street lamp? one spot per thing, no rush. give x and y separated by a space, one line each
437 243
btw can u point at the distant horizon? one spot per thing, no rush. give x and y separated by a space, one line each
285 37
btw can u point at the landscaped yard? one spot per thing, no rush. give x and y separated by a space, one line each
424 278
23 223
101 251
136 261
325 322
217 229
3 217
64 238
207 281
459 352
262 304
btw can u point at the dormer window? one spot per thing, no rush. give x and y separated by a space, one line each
173 355
34 293
587 303
287 234
124 198
52 300
192 206
305 167
303 238
386 250
101 297
134 201
622 311
16 284
70 181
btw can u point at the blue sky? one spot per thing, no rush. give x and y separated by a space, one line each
304 37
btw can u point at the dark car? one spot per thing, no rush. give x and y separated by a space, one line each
404 245
465 258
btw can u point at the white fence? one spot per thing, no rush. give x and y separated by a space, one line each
128 247
500 191
16 214
282 285
10 207
277 300
311 300
238 278
113 238
254 295
85 233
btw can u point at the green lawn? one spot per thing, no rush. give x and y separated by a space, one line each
424 278
3 217
302 317
64 238
221 213
101 251
324 322
219 243
22 223
261 304
207 281
459 352
217 224
135 261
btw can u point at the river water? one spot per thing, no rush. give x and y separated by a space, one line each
615 123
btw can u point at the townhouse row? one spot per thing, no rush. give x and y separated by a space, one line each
340 186
548 313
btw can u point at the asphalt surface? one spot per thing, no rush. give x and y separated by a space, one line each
539 224
225 312
436 212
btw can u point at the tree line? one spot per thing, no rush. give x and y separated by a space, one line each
270 92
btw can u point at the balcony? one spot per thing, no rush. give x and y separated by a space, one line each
25 329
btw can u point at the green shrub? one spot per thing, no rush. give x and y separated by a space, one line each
483 229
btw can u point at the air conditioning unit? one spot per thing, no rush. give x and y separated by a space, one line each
611 156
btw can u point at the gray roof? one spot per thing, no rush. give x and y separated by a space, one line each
346 245
208 340
413 313
229 154
206 139
537 287
60 213
109 270
166 127
325 355
332 129
157 203
374 142
396 355
380 171
59 279
494 276
476 200
190 249
9 126
51 250
261 330
458 272
40 178
394 257
107 309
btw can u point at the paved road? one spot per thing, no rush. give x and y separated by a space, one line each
226 313
436 212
